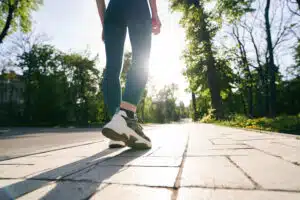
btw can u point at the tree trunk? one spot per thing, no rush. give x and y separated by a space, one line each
9 18
212 75
266 94
261 92
194 107
244 103
271 65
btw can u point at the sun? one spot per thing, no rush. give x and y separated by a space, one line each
166 65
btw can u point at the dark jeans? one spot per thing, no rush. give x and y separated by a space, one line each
120 15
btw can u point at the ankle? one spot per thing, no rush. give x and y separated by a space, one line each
128 106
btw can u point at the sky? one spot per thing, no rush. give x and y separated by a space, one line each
74 25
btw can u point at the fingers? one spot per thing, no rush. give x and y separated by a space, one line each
156 25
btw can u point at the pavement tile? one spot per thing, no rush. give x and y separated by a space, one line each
144 161
50 168
229 146
222 194
224 141
287 152
135 153
148 176
220 152
269 171
64 190
291 142
170 151
13 188
113 192
213 172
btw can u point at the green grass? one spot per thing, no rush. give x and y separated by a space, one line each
283 124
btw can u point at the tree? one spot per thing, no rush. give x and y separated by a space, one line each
199 52
125 67
272 69
252 50
16 14
43 84
84 83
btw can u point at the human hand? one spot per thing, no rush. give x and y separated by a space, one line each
156 25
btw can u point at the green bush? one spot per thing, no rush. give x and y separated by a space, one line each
284 123
209 118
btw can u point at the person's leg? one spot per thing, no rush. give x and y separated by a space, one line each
114 38
140 29
124 127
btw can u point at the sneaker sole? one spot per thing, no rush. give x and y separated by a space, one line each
115 146
130 142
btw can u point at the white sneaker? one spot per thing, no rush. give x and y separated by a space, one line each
127 130
116 144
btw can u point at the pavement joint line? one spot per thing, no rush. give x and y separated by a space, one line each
142 185
240 188
276 156
296 163
47 151
96 191
165 187
211 141
27 192
92 165
25 179
154 151
294 147
218 138
50 181
256 184
181 166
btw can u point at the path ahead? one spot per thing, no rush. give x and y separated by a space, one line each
187 161
15 142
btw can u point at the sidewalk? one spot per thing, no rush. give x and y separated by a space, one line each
188 161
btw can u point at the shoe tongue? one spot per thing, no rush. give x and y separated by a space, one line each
123 113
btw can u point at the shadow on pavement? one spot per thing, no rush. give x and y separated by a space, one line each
64 176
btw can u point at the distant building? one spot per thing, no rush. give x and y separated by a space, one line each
11 88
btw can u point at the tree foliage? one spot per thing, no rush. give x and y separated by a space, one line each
16 14
244 41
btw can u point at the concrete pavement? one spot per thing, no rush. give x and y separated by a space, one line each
16 142
187 161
